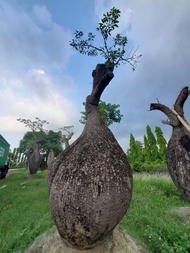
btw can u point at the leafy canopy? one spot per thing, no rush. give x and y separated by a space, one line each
109 113
113 49
34 125
47 141
37 129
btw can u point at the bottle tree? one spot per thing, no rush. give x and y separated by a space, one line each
51 141
90 182
178 149
47 141
34 157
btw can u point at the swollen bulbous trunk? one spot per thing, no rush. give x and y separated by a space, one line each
90 183
34 159
178 149
178 159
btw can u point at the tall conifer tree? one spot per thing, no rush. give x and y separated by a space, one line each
134 154
162 144
153 144
147 151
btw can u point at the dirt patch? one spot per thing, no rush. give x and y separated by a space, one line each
118 242
11 171
31 176
184 213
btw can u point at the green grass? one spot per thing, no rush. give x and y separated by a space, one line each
151 218
25 213
24 210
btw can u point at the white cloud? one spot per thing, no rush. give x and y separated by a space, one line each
35 51
26 42
33 48
161 29
36 95
40 71
42 16
103 6
56 110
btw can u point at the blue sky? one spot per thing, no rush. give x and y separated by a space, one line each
42 76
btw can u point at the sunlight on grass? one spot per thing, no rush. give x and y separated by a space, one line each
147 176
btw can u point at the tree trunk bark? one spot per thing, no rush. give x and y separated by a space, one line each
51 157
34 160
178 149
90 183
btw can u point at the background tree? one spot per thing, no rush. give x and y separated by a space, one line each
14 153
178 149
52 140
49 140
147 153
153 144
66 133
14 158
109 113
134 154
34 157
162 144
142 155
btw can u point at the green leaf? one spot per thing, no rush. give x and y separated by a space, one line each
113 49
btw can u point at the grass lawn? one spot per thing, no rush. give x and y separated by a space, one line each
151 218
25 213
24 210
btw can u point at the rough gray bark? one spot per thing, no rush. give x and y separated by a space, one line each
90 183
178 149
51 157
34 159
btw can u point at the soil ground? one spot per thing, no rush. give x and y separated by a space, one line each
118 242
184 213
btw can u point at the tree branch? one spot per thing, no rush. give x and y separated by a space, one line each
184 122
102 75
173 121
176 115
178 106
105 45
101 78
